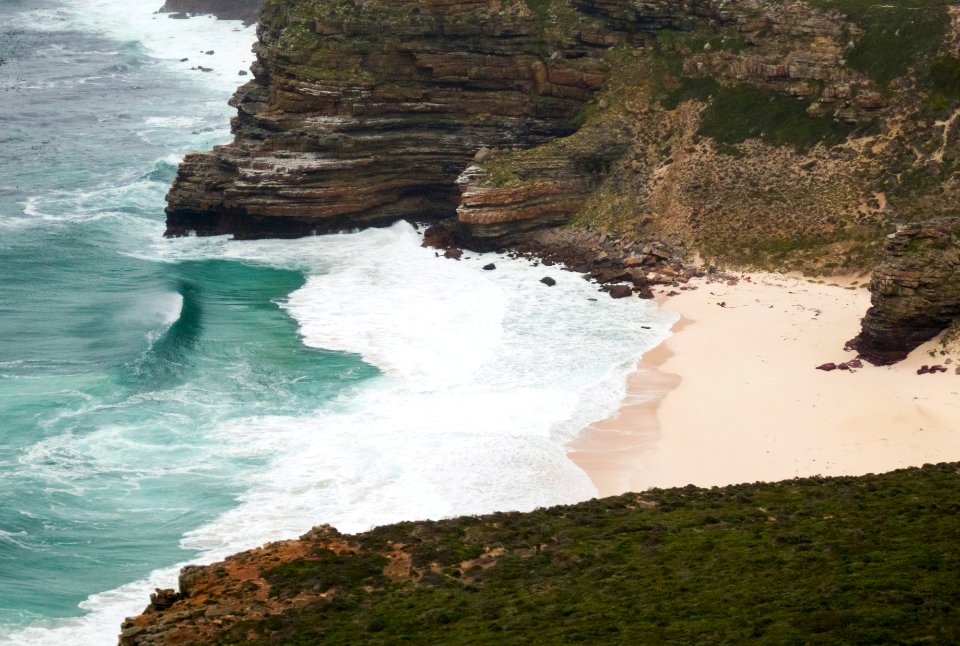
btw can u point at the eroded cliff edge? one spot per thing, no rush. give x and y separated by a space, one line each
780 134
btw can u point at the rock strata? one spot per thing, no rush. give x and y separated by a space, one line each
915 291
362 114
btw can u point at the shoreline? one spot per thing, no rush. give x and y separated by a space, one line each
609 449
733 394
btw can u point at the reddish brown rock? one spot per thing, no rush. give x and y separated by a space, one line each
620 291
363 121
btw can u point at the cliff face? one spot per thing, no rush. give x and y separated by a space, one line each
915 291
784 134
849 560
364 113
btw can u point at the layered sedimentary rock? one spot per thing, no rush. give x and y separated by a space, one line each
246 10
362 113
915 291
365 113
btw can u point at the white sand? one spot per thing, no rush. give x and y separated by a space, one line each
733 395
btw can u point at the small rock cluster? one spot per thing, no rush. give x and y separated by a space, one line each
623 268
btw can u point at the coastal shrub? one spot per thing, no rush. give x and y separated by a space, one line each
742 112
944 81
863 560
325 570
896 34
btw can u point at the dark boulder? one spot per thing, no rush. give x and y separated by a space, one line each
163 599
620 291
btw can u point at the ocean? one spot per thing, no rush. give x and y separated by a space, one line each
171 401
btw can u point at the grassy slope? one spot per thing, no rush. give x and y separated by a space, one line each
832 561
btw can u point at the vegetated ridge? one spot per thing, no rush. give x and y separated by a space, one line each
865 560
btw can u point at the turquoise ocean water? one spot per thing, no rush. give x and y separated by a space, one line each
167 401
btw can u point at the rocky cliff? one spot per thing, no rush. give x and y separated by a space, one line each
915 291
363 113
869 560
759 132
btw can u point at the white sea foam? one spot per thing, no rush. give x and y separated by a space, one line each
123 201
487 375
162 38
438 325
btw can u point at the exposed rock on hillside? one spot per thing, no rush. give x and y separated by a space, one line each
361 114
365 113
916 290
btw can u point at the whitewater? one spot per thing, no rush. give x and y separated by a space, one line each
172 401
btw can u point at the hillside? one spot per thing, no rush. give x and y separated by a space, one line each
864 560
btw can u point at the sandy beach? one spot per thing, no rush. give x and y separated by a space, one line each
733 395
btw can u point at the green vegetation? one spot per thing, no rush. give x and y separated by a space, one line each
699 88
739 112
850 248
868 560
896 34
684 43
324 570
944 81
742 112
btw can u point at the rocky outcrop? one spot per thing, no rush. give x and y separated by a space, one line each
519 191
361 114
364 113
915 291
245 10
